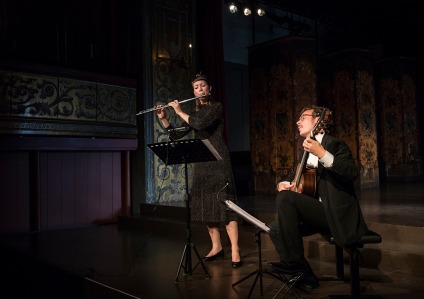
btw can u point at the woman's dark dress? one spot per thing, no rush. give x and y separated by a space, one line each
210 177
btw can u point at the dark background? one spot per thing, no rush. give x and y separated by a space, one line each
395 25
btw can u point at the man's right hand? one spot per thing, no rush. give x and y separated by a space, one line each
283 186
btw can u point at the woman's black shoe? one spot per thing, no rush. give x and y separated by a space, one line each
236 264
214 257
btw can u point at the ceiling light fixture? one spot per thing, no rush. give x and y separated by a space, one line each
235 5
232 7
260 12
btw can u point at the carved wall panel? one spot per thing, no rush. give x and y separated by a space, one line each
346 87
400 147
367 130
282 81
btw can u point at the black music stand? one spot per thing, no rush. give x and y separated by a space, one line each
262 228
184 152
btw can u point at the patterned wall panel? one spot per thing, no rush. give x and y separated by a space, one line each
172 74
391 129
412 150
31 103
282 120
400 152
261 138
282 82
346 87
367 130
33 95
115 104
344 108
77 100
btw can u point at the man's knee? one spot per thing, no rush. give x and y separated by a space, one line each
274 228
283 198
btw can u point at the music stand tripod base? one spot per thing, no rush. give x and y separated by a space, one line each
186 261
260 271
290 285
261 228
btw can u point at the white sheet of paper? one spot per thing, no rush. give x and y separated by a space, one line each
247 216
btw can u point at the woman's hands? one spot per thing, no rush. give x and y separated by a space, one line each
176 105
160 112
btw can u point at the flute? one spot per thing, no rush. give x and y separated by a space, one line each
167 105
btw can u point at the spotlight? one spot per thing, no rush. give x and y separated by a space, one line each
261 12
247 11
232 7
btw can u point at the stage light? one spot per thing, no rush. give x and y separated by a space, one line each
243 5
232 7
261 12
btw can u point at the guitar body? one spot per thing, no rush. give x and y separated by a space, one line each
307 183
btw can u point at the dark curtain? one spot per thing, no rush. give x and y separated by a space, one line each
210 46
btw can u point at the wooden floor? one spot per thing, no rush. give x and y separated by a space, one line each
141 257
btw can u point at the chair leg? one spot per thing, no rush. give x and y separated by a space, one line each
354 277
354 272
339 262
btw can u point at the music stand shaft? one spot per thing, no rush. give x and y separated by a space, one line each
186 257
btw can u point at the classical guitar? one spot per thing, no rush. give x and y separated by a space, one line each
305 178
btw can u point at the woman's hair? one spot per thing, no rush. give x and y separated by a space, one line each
201 77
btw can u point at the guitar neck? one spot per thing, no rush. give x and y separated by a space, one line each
300 168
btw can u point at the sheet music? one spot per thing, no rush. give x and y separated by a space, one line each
212 149
247 216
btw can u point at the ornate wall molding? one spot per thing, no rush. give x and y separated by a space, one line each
400 146
37 104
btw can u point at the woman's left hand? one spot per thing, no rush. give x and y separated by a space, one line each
176 105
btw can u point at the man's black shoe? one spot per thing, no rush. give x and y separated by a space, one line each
307 282
289 267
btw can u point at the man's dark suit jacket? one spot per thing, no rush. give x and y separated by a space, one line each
335 187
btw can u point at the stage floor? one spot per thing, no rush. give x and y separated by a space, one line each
140 258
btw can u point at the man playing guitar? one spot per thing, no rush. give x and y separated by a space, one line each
330 203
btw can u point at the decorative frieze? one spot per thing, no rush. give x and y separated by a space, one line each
32 103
